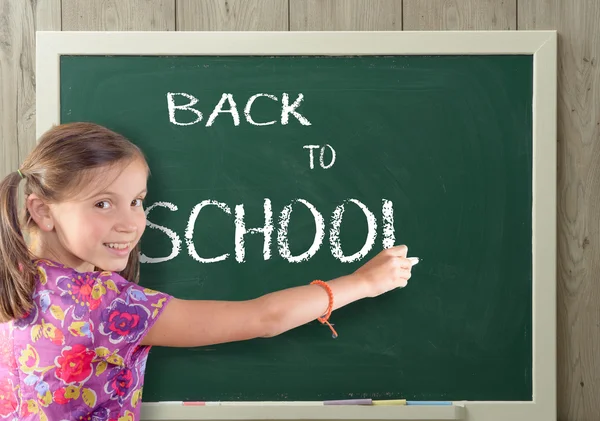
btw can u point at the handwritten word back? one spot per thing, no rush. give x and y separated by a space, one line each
287 109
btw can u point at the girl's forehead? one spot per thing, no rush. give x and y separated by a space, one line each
118 178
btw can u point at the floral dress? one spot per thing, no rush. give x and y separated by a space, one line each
77 354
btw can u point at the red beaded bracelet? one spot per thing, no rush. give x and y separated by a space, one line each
325 318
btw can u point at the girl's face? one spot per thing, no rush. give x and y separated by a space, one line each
101 227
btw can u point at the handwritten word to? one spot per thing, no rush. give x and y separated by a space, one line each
321 157
287 109
267 230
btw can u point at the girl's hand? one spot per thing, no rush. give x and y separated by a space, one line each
388 270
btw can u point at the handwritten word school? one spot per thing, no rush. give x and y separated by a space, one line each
267 230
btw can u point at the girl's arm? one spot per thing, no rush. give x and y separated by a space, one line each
189 323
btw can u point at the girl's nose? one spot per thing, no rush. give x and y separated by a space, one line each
127 223
126 227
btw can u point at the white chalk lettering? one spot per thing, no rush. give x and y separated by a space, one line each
387 211
311 156
282 233
283 236
188 107
189 231
175 240
322 159
334 233
241 231
219 109
288 109
249 106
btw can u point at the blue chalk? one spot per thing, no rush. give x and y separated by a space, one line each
428 403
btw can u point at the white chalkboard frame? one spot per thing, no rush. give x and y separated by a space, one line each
542 45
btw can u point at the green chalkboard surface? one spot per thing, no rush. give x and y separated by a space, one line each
432 152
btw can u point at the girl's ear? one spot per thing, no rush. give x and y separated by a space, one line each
40 213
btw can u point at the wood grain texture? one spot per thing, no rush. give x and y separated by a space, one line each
18 22
232 15
42 15
345 15
463 15
578 228
10 37
118 15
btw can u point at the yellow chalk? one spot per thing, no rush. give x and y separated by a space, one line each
391 402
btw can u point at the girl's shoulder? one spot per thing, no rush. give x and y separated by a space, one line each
96 295
51 273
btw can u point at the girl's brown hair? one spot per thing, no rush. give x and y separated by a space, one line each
66 157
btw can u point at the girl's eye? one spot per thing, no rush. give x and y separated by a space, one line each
105 204
137 202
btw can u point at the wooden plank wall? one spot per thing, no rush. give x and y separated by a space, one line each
578 106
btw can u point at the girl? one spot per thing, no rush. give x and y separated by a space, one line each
75 328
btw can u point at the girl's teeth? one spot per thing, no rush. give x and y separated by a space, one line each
117 246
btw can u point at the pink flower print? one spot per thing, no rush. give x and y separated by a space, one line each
80 291
124 321
59 396
121 383
74 364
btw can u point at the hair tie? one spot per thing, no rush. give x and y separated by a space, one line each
21 174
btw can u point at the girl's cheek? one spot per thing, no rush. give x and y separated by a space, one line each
141 225
142 219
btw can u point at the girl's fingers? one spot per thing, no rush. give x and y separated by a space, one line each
408 262
398 251
403 278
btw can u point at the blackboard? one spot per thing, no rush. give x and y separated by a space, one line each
445 142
